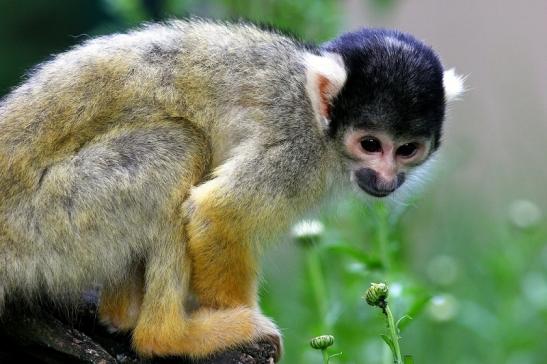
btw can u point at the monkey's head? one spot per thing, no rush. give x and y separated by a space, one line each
387 115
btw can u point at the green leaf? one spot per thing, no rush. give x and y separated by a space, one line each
407 359
402 321
354 253
389 342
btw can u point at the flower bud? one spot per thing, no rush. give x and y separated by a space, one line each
322 342
307 232
376 294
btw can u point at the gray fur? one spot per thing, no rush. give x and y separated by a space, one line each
93 144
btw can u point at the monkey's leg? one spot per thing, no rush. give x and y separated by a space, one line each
120 304
165 328
230 314
162 320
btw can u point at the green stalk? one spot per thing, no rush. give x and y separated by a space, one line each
377 295
394 335
318 284
326 357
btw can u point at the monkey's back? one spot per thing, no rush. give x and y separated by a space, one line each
100 145
194 71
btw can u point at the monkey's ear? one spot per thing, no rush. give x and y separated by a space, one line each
453 85
325 77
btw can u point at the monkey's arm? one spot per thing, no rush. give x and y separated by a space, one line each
254 196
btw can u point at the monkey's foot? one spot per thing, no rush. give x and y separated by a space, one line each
119 312
205 332
267 332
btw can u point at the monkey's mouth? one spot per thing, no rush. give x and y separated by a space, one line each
374 191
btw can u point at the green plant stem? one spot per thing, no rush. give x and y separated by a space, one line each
318 284
326 357
394 335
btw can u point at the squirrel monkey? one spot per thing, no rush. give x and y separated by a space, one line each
157 162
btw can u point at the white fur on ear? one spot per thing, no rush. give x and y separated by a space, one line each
453 85
325 77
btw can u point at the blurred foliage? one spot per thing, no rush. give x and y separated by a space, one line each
359 244
297 17
474 283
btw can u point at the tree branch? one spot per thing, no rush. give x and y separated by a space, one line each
49 336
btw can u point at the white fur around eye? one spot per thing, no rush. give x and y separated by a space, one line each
453 85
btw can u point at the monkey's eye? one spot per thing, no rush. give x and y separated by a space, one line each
371 144
407 150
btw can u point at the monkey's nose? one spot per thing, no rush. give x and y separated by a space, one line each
370 182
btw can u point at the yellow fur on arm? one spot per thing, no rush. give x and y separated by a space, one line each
224 266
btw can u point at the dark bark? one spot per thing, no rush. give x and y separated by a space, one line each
52 336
